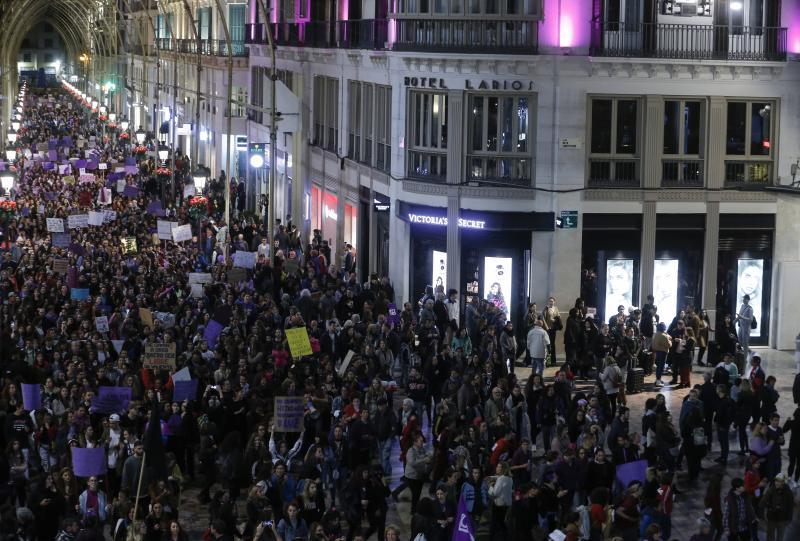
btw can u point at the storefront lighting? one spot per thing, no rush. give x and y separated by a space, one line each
112 117
163 153
736 6
442 220
103 109
124 125
256 161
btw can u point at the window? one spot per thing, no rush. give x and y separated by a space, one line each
749 141
164 26
236 20
48 43
614 128
326 113
48 57
204 23
427 135
468 7
27 57
683 143
369 109
499 146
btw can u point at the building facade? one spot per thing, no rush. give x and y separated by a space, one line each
516 150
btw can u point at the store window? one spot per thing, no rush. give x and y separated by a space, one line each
499 138
684 141
750 144
369 109
427 135
325 217
326 113
614 132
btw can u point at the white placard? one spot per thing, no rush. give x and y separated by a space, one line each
200 278
197 291
82 171
95 218
86 177
120 185
245 260
346 363
109 216
55 225
102 166
78 221
165 229
101 323
65 169
182 233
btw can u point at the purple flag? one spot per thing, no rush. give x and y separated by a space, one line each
185 390
131 191
48 166
72 277
111 399
155 208
131 169
26 211
31 396
130 160
50 196
81 164
213 330
91 165
88 462
52 155
66 141
632 471
464 529
52 144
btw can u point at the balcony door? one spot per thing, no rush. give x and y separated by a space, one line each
721 31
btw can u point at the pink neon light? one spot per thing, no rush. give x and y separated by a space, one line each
566 24
790 18
565 35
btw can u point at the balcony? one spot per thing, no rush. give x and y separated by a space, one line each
740 174
466 36
682 174
689 42
613 173
360 34
208 47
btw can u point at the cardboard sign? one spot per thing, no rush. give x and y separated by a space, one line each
289 413
111 399
200 278
299 344
129 245
61 240
87 462
197 291
109 216
78 221
60 266
182 233
245 260
101 323
147 317
55 225
165 229
96 218
78 294
236 275
159 356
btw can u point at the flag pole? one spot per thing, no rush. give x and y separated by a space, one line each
138 489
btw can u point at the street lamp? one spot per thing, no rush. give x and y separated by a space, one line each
163 153
15 125
112 117
141 135
102 109
7 179
12 136
200 177
11 154
123 124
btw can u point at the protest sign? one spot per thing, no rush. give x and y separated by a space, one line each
167 319
236 275
200 278
245 260
197 291
95 218
55 225
129 245
165 229
65 169
120 185
632 471
182 375
182 233
146 316
102 166
346 363
184 390
394 317
111 399
289 413
109 216
101 323
61 240
212 332
155 208
87 462
60 266
131 169
86 177
159 356
31 396
299 345
78 221
78 294
131 192
117 345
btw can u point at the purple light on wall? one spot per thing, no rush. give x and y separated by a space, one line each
567 23
344 14
790 18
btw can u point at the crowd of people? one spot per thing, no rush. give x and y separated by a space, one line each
431 388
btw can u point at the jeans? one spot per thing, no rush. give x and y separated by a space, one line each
722 435
538 366
744 444
385 455
661 358
776 530
552 335
548 433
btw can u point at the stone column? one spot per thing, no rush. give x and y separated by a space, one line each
647 254
455 161
710 256
654 142
716 144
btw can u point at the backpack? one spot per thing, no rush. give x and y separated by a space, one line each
699 436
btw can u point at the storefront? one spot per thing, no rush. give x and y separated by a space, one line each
325 217
495 253
375 223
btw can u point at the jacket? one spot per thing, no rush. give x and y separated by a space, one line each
778 504
538 340
101 503
476 499
416 464
608 376
501 491
661 342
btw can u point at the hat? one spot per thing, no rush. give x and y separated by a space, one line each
114 418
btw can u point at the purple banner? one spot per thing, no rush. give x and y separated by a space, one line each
52 144
80 164
632 471
91 165
155 209
88 462
131 191
213 330
48 166
131 170
50 196
113 177
464 529
111 399
66 141
31 396
130 160
185 390
52 155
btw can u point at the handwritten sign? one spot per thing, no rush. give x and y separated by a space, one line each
197 291
55 225
182 233
129 245
111 399
79 294
60 266
289 413
78 221
245 260
200 278
165 229
95 218
109 216
101 323
159 356
299 345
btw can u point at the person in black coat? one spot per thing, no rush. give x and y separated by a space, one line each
792 425
573 337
